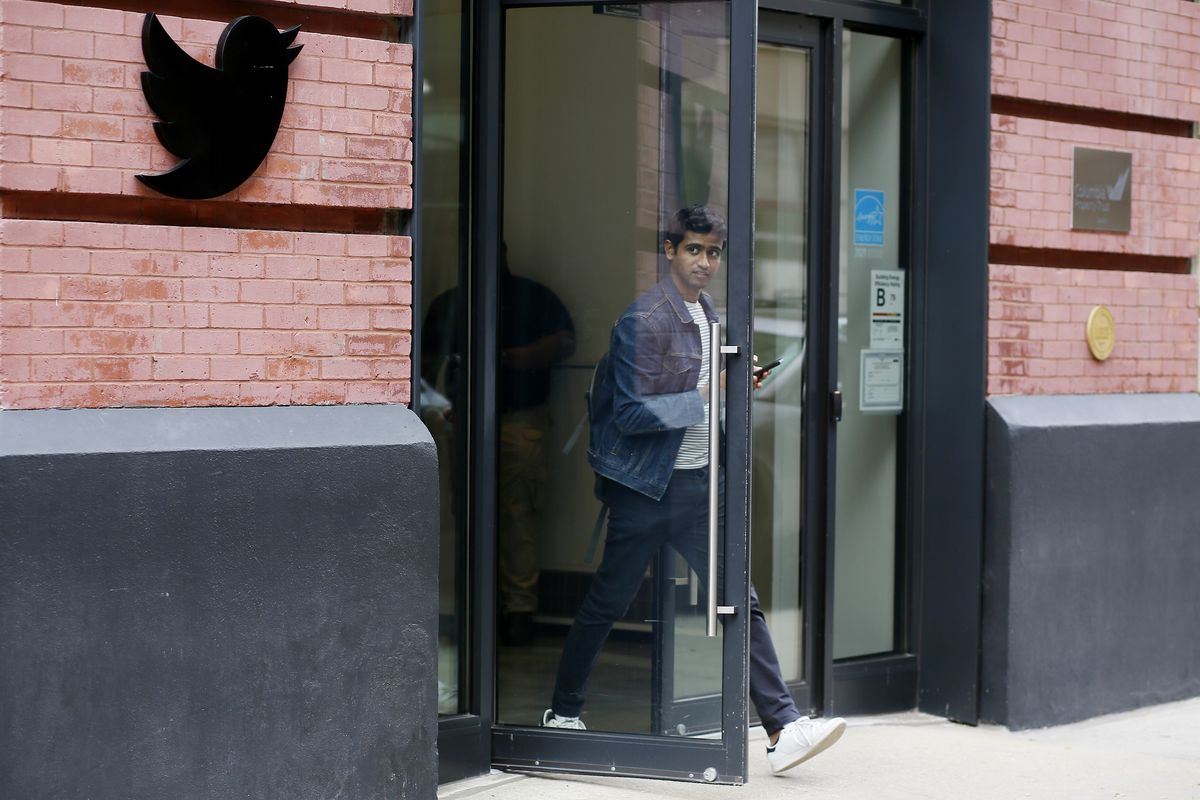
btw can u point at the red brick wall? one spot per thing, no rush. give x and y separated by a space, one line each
1132 56
1032 161
1129 57
1036 317
108 313
74 118
100 314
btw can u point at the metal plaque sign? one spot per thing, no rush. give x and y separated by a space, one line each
1101 333
221 122
1102 187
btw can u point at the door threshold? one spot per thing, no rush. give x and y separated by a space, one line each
469 787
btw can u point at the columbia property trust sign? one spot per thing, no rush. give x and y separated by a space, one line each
1102 189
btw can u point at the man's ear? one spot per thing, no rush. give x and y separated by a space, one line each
669 249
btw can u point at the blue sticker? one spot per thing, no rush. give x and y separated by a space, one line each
868 217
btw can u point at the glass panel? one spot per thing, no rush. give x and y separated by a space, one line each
596 162
780 281
443 334
870 343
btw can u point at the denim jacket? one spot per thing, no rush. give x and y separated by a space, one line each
647 395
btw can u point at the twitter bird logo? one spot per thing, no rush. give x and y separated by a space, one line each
221 121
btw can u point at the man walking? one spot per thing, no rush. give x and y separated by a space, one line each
649 446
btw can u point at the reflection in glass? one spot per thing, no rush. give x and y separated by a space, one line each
865 586
780 280
595 163
443 388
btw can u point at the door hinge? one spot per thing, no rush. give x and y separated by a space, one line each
835 405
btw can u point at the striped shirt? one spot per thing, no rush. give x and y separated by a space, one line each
693 450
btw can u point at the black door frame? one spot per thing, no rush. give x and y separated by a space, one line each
947 221
686 759
821 38
885 682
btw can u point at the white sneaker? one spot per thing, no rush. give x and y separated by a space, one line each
801 740
552 720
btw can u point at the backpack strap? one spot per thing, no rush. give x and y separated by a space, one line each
598 376
601 517
574 438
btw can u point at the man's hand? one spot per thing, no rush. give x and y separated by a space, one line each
756 377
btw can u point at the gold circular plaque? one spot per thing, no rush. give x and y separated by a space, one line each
1101 333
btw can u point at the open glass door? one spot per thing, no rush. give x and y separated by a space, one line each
613 118
788 220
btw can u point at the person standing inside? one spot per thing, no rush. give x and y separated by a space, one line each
649 446
536 334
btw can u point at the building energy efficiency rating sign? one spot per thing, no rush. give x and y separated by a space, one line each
881 366
887 309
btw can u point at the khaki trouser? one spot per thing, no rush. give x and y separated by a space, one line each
520 499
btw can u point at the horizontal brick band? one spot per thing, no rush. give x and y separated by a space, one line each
210 214
98 314
396 7
1085 259
1093 117
362 19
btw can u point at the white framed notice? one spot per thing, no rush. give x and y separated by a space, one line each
887 309
881 381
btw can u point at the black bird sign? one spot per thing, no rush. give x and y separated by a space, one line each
221 121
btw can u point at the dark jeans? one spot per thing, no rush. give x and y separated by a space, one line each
637 527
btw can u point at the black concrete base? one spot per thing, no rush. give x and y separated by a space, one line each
217 603
1092 556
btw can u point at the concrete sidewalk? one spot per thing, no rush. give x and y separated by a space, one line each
1148 754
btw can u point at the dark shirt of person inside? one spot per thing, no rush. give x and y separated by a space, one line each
529 312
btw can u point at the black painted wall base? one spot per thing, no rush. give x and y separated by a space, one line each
217 603
1092 554
878 685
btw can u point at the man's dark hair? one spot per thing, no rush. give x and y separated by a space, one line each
697 219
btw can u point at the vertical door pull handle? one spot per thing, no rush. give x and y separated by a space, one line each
835 405
714 467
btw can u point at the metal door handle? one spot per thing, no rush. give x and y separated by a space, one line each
714 467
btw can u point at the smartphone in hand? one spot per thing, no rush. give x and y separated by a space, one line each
763 370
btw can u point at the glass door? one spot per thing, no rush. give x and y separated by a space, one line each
831 303
785 229
870 618
790 218
622 240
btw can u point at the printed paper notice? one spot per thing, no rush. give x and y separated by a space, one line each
881 381
887 309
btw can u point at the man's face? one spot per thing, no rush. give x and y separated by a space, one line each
694 262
